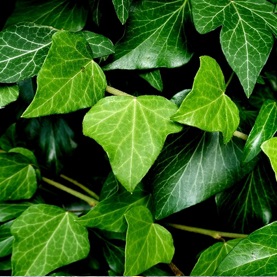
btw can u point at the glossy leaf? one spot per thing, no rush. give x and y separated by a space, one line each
17 177
6 239
211 258
58 14
23 48
122 9
132 131
11 211
147 243
246 34
254 255
154 78
67 71
264 128
49 237
8 94
154 37
269 147
206 106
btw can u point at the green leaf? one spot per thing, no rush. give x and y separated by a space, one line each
264 128
23 48
11 211
122 9
67 71
254 255
62 14
6 239
8 94
154 37
109 214
206 106
17 177
154 78
5 264
49 237
132 131
246 34
269 147
211 258
189 171
147 243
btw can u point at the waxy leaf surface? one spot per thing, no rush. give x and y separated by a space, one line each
69 79
269 147
122 8
46 238
11 211
8 94
23 48
206 106
132 131
147 243
246 35
154 37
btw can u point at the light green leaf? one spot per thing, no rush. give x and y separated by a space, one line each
269 147
154 37
49 237
206 106
255 255
264 128
17 177
108 215
122 9
211 258
8 94
60 14
147 243
23 48
69 79
154 78
132 131
246 34
11 211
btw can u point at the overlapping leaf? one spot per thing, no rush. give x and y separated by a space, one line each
69 79
23 48
269 147
246 35
206 106
132 131
154 37
154 78
6 239
8 94
122 8
147 243
46 238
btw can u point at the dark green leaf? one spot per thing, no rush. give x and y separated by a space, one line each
8 94
11 211
6 239
122 9
154 78
269 147
5 264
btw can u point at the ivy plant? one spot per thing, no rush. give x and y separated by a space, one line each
138 138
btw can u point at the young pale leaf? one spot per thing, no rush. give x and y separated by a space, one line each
60 14
154 78
264 128
246 36
211 258
17 177
69 79
155 36
8 94
190 171
49 237
206 106
132 131
255 255
23 48
269 147
11 211
122 9
147 243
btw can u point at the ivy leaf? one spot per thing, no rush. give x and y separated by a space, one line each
23 48
206 106
6 239
154 37
58 14
8 94
154 78
246 34
49 237
67 70
147 243
254 255
211 258
108 215
184 174
269 147
122 9
132 131
264 128
11 211
17 177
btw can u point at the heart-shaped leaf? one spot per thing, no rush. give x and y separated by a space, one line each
269 147
132 131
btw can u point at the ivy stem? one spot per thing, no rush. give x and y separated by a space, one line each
92 202
116 92
240 135
90 192
175 270
230 79
212 233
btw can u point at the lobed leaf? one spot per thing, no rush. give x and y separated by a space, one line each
269 147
